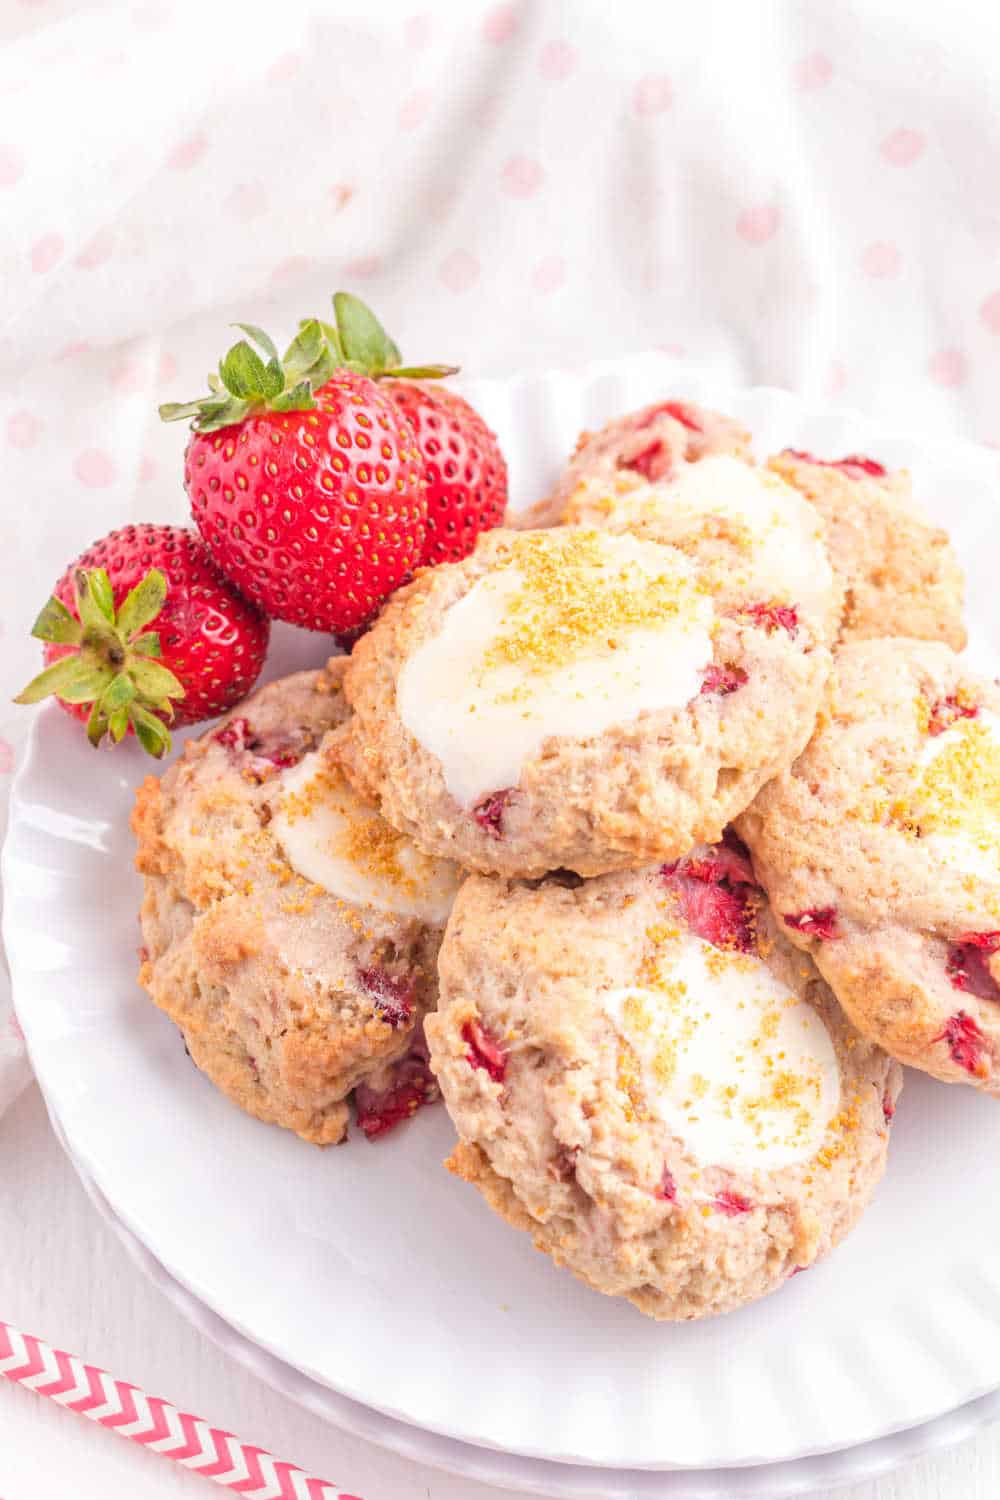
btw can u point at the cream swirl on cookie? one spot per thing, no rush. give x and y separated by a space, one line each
337 841
576 632
956 801
741 1070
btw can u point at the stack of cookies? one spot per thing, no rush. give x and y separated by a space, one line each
653 836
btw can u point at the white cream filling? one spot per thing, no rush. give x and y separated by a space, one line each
971 843
335 840
734 1064
786 555
483 720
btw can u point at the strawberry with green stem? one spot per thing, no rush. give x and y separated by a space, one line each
308 480
107 667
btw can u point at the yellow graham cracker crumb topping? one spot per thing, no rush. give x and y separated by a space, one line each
575 597
366 841
958 791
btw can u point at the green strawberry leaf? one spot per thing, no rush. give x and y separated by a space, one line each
97 725
118 725
143 603
362 336
151 732
217 414
155 682
95 601
61 675
180 411
299 398
118 694
274 380
57 624
146 645
242 371
422 372
303 352
333 340
262 339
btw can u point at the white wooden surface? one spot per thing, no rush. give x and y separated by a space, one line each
64 1276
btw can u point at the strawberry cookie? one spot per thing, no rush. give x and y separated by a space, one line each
288 931
899 573
646 1076
574 699
880 849
642 447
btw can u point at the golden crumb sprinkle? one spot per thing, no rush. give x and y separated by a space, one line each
575 597
957 792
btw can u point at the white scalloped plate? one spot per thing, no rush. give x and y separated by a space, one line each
371 1271
799 1476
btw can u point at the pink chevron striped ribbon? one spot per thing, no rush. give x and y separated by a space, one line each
154 1423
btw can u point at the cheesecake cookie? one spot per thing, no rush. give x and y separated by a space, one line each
647 1077
880 849
574 699
287 930
899 573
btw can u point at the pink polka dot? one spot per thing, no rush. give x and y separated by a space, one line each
94 468
418 31
290 269
414 110
147 470
459 271
521 176
676 351
46 253
652 95
881 260
96 252
948 367
836 378
284 68
188 153
549 274
759 223
23 429
341 193
248 200
557 60
902 147
11 166
813 71
167 368
363 267
74 350
501 23
128 377
989 312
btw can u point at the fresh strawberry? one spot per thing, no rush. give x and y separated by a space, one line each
108 668
465 471
304 476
